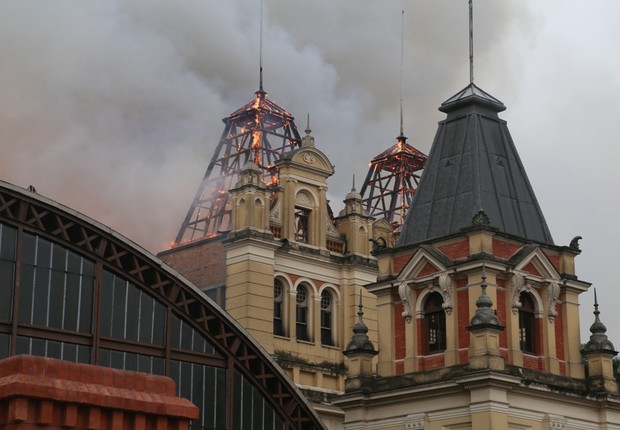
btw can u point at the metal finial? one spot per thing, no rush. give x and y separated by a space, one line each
402 55
471 42
308 125
353 189
260 81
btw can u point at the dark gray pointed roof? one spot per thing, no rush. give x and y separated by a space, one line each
473 165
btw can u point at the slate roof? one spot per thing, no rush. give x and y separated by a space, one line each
473 165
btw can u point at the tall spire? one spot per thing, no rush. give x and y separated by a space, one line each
471 43
402 55
260 54
473 165
394 174
598 340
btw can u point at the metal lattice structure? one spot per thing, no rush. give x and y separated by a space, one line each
261 132
391 182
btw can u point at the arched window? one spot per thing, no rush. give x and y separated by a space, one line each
527 324
301 314
326 319
434 329
302 224
278 308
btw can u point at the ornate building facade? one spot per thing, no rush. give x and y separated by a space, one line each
468 319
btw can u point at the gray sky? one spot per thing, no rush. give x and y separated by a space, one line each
114 107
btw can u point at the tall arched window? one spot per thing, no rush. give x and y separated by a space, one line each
527 324
302 225
301 313
434 329
327 337
278 308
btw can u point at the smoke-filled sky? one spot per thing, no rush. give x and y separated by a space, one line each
114 107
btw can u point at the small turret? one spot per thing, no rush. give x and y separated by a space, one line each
360 352
484 329
600 352
250 200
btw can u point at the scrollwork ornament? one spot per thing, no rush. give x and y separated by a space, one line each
518 285
445 284
553 294
403 292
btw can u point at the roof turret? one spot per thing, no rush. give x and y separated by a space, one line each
473 165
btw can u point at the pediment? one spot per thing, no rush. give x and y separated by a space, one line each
420 265
538 265
311 158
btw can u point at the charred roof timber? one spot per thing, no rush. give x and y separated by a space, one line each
259 132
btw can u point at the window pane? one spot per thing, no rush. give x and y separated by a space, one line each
53 349
50 295
251 410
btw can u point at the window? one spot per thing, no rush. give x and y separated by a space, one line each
434 324
326 319
301 314
278 308
527 324
302 221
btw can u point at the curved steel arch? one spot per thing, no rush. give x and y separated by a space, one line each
33 213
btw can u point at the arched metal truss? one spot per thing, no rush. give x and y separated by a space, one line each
29 213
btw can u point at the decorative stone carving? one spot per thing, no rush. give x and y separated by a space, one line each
415 421
574 243
555 422
519 285
309 158
553 294
275 213
445 284
303 198
480 219
404 292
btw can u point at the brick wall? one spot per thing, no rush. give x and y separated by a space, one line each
401 261
43 393
463 314
203 263
457 250
428 269
503 249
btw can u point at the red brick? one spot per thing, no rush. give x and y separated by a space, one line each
456 250
503 249
401 261
531 269
52 402
46 412
433 362
399 332
428 269
554 259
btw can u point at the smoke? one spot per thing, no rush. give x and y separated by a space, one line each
114 107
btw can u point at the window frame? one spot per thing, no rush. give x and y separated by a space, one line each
327 319
528 341
434 325
302 314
